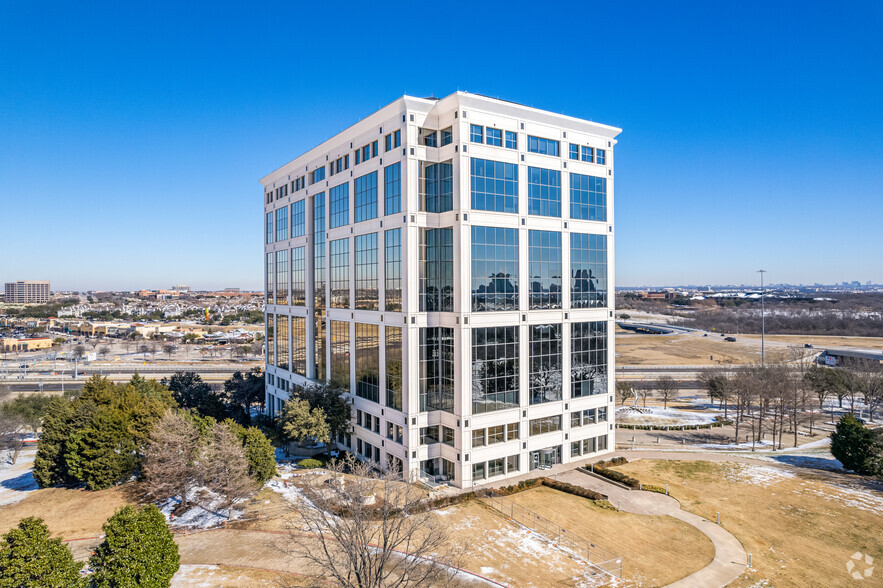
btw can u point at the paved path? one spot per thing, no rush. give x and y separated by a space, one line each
730 559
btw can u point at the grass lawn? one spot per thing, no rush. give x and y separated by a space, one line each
656 550
800 526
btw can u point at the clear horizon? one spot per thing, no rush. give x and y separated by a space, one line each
134 135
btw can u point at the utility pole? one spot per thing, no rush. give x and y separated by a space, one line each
762 322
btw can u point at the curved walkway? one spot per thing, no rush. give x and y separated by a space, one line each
730 559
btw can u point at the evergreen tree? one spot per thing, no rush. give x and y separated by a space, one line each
138 550
333 404
300 424
243 392
191 392
259 452
49 464
30 559
858 448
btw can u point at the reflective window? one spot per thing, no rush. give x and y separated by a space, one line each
447 136
436 186
544 269
282 223
392 140
365 196
392 189
427 137
339 197
436 369
574 151
282 341
299 345
340 353
494 368
392 258
270 345
368 362
494 137
588 154
542 146
340 273
600 156
494 185
588 270
476 133
543 191
545 425
511 140
437 270
298 277
269 227
298 219
494 268
319 283
367 295
282 277
320 359
545 363
588 359
271 271
394 368
588 197
317 175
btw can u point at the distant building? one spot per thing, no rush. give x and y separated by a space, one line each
232 290
12 344
181 288
27 292
658 295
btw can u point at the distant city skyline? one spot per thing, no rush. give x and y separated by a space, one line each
134 136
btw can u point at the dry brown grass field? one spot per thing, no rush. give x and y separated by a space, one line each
801 526
656 550
822 341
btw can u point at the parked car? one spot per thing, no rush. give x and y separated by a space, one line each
731 339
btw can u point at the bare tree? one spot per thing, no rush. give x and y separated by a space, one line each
12 431
103 350
369 530
624 391
170 457
224 467
79 351
645 391
667 388
867 377
168 349
143 349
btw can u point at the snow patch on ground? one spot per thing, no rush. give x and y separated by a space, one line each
206 512
17 480
860 498
757 475
629 415
209 576
747 445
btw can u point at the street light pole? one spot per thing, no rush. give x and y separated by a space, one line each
762 322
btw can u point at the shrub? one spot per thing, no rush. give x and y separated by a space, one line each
30 558
652 488
309 464
572 489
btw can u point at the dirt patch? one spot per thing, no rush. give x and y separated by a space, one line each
800 527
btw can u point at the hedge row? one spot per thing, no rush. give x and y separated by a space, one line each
575 490
652 488
674 427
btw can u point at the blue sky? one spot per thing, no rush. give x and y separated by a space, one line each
133 135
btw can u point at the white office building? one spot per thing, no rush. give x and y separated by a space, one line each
450 262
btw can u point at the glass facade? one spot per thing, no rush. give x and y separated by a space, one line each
339 201
543 191
447 136
545 425
545 380
436 369
427 137
437 270
495 378
494 185
270 345
600 156
392 259
282 223
282 341
367 295
269 228
436 186
544 269
298 219
271 271
588 154
511 140
588 270
282 277
392 189
340 273
299 345
494 269
298 277
367 362
340 353
588 197
542 146
319 284
365 197
476 134
588 358
394 368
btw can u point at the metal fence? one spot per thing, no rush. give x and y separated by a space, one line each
576 546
